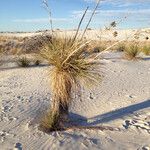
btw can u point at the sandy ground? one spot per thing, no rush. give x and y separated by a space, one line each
94 34
121 100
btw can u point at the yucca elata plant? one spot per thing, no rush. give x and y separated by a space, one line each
71 69
23 62
131 52
146 50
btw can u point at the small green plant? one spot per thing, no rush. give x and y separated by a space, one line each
23 62
146 50
132 52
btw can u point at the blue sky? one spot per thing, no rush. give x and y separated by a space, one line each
29 15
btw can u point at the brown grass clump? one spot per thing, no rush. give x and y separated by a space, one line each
71 69
23 62
146 50
131 52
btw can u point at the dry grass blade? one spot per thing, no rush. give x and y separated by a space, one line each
93 13
76 51
80 24
46 6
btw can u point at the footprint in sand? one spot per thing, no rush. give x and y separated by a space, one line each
6 108
3 135
138 123
18 146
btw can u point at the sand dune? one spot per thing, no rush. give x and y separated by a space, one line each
122 100
94 34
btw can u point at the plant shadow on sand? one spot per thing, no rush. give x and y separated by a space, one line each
77 121
146 59
109 116
17 67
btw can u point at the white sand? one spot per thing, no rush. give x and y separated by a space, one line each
121 100
95 34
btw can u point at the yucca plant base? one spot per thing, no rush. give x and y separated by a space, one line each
54 120
51 122
58 115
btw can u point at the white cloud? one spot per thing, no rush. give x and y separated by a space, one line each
40 20
113 12
114 1
121 3
104 17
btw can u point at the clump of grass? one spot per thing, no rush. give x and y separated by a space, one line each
146 50
23 62
71 69
132 52
121 47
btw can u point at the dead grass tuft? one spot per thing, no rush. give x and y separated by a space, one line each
131 52
23 62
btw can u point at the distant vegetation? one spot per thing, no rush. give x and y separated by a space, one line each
23 62
131 52
146 49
